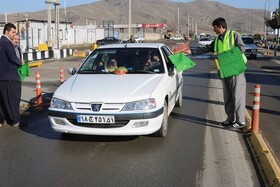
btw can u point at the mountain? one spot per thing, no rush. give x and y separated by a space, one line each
203 12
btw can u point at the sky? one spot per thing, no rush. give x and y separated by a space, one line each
18 6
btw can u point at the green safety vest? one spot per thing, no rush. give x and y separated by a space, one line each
226 44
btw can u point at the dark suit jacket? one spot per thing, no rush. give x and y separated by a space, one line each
9 62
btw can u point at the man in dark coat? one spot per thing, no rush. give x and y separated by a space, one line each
10 85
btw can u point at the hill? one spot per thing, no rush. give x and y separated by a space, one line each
203 12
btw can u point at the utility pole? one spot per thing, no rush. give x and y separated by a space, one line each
195 28
66 29
252 22
27 31
6 17
49 22
178 20
129 18
264 15
278 22
57 24
56 4
188 29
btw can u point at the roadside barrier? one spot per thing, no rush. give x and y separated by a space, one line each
34 55
267 51
62 53
38 90
79 53
61 75
264 156
35 64
256 109
180 47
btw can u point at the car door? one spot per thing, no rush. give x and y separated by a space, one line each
174 79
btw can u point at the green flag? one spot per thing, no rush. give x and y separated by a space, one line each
23 71
181 62
231 62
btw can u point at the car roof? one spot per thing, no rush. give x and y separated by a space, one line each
246 36
132 45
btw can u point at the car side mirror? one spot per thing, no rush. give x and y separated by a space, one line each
72 71
171 71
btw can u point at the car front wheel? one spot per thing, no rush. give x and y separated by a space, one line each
163 129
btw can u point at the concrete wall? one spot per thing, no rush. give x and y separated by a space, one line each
68 35
37 33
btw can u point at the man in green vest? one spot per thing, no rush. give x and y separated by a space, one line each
234 86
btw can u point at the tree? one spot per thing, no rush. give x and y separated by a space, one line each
274 22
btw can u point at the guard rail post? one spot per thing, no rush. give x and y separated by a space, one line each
38 90
61 75
256 109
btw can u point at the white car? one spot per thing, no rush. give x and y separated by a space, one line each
133 98
139 39
251 48
204 41
177 38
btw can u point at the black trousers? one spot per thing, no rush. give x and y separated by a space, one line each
10 95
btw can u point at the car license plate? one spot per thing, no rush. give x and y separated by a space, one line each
95 119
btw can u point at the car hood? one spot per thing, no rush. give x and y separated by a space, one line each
108 87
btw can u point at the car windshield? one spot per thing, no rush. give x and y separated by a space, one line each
205 39
248 40
131 60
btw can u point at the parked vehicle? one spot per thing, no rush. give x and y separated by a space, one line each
120 89
251 48
108 40
139 39
177 38
204 41
168 34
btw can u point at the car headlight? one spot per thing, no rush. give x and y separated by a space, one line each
140 105
60 104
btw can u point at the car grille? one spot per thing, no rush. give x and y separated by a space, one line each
105 107
118 123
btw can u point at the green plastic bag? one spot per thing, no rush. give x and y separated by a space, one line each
23 71
231 62
181 62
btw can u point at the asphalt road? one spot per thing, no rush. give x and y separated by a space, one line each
196 151
266 73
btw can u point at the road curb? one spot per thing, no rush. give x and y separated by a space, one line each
264 156
35 63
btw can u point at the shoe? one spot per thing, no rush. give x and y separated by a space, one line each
238 125
16 125
227 123
1 124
